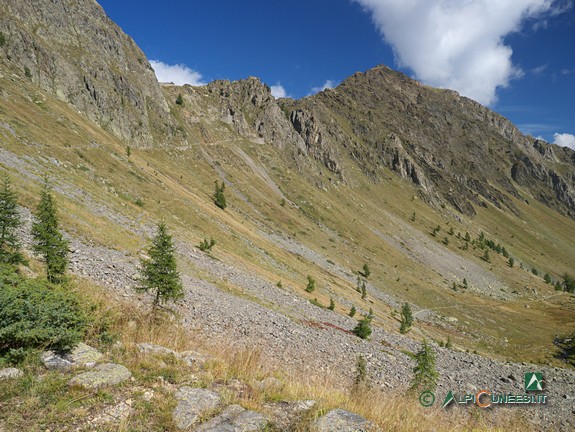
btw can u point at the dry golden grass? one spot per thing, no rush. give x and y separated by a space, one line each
134 324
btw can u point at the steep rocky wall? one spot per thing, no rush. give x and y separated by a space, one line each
71 49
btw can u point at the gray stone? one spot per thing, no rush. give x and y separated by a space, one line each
81 356
339 420
106 374
149 348
192 403
10 373
285 414
235 419
192 358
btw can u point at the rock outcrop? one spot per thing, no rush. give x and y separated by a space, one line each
72 50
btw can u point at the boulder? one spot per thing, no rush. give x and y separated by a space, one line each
106 374
235 419
10 373
193 403
339 420
81 356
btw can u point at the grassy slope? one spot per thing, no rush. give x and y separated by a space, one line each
99 181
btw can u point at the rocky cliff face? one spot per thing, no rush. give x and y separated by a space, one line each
71 49
452 147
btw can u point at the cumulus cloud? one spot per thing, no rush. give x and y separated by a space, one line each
564 140
329 84
457 44
178 74
278 91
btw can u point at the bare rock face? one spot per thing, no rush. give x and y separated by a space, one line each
81 356
71 49
235 419
192 404
107 374
10 373
339 420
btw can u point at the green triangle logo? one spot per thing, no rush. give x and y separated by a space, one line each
533 381
448 399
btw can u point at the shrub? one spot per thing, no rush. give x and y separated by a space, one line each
535 271
352 311
511 262
363 328
310 284
331 304
206 245
547 278
37 315
219 197
366 270
485 256
180 99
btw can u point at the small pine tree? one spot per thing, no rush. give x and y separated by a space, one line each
366 270
310 284
406 319
445 241
425 375
219 197
504 252
448 344
413 217
159 273
352 311
511 261
331 304
467 236
465 246
358 285
9 223
50 244
558 286
206 245
535 271
363 291
361 373
485 256
180 99
363 328
450 232
128 151
279 284
568 283
547 278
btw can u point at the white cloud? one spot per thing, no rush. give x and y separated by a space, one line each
278 91
564 140
178 74
457 44
329 84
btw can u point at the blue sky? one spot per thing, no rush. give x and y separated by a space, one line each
515 56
